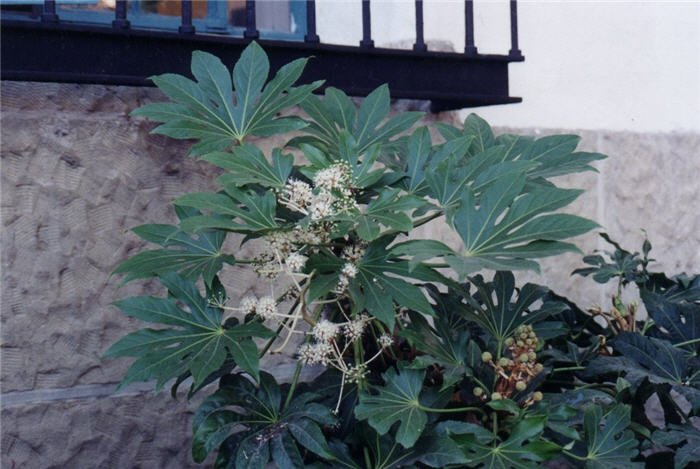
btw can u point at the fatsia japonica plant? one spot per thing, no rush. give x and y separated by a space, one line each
420 359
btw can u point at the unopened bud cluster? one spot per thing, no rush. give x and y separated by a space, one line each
514 373
620 318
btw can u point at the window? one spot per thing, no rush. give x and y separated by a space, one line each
279 19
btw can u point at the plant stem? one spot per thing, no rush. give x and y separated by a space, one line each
297 372
687 342
494 417
569 368
367 460
426 219
447 411
572 455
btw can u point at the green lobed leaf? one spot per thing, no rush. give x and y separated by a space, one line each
397 401
198 344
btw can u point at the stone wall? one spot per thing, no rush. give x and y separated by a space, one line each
78 172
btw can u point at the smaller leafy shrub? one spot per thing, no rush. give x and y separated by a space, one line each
422 361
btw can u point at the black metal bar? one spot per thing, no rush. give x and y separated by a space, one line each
514 51
311 35
366 26
49 14
419 46
186 13
120 20
97 54
251 32
469 47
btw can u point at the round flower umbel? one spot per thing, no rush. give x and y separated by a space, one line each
296 262
354 329
249 304
296 194
325 331
266 308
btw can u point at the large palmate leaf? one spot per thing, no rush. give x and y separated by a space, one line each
397 401
497 314
680 320
658 360
449 348
188 255
366 449
380 290
506 232
607 440
236 210
252 426
506 229
206 110
387 210
247 165
555 155
196 341
521 450
337 113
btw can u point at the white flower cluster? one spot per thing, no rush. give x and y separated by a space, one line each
282 247
313 354
249 304
331 194
295 262
337 177
354 329
353 253
324 204
349 271
297 193
325 331
266 307
385 340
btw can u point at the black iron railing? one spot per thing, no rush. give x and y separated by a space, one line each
44 46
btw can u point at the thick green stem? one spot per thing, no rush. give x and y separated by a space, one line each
572 455
297 372
569 368
426 219
448 411
687 342
494 418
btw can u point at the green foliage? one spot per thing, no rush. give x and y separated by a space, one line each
430 364
608 442
272 430
205 110
197 343
522 449
397 401
193 257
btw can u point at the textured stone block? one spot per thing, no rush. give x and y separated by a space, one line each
135 431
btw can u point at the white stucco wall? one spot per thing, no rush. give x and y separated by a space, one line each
614 65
